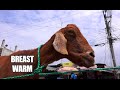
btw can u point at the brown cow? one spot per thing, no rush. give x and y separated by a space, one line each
67 43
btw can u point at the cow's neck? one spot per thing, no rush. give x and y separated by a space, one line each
47 55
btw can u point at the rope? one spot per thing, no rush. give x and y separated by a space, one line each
21 76
39 68
57 73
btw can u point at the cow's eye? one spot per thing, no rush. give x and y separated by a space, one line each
71 33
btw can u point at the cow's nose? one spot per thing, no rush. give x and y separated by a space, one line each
91 53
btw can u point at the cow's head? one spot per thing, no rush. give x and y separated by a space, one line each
70 42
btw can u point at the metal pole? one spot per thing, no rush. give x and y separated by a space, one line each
107 17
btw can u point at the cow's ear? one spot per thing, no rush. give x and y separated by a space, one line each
60 43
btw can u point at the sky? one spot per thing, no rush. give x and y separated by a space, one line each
30 28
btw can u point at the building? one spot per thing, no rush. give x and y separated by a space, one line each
4 51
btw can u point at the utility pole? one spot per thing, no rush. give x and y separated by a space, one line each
107 17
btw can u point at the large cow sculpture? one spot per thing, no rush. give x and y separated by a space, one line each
68 43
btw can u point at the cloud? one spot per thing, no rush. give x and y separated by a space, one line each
30 28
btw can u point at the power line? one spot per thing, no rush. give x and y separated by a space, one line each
107 18
52 21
